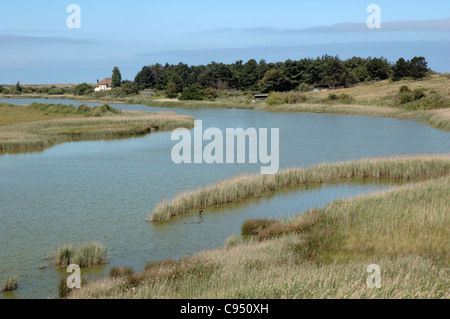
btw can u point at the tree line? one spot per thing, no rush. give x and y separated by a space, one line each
326 71
202 81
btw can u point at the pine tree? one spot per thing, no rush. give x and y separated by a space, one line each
116 78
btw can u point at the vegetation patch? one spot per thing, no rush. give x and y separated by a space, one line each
80 123
10 283
246 186
85 256
403 230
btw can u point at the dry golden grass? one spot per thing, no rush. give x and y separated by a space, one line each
42 134
405 231
375 90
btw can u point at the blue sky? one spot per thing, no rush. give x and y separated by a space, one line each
36 46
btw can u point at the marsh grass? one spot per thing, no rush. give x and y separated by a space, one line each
404 230
104 123
121 271
242 187
10 283
85 256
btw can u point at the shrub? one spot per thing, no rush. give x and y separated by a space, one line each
210 94
418 94
56 91
83 89
117 272
100 110
333 97
406 97
192 93
44 90
171 90
404 89
10 283
346 98
303 87
276 98
129 89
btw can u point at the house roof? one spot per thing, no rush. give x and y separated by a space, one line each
105 81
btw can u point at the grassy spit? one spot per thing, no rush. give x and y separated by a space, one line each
85 256
405 231
97 124
241 187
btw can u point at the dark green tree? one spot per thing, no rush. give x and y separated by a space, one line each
418 67
378 68
171 90
18 87
116 80
145 78
274 80
400 69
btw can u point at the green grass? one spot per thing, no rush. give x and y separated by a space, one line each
242 187
10 283
82 123
85 256
404 230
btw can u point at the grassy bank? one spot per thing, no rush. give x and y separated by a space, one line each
405 231
68 123
379 99
239 188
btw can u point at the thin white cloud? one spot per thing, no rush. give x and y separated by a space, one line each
9 39
437 25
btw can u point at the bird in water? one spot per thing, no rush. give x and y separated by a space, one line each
200 212
306 185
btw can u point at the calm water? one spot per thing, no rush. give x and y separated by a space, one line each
103 190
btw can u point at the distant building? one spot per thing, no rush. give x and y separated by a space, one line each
103 85
261 97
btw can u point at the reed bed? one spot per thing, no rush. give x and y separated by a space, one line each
85 256
43 134
10 283
404 230
241 187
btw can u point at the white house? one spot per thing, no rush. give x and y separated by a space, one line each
103 85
